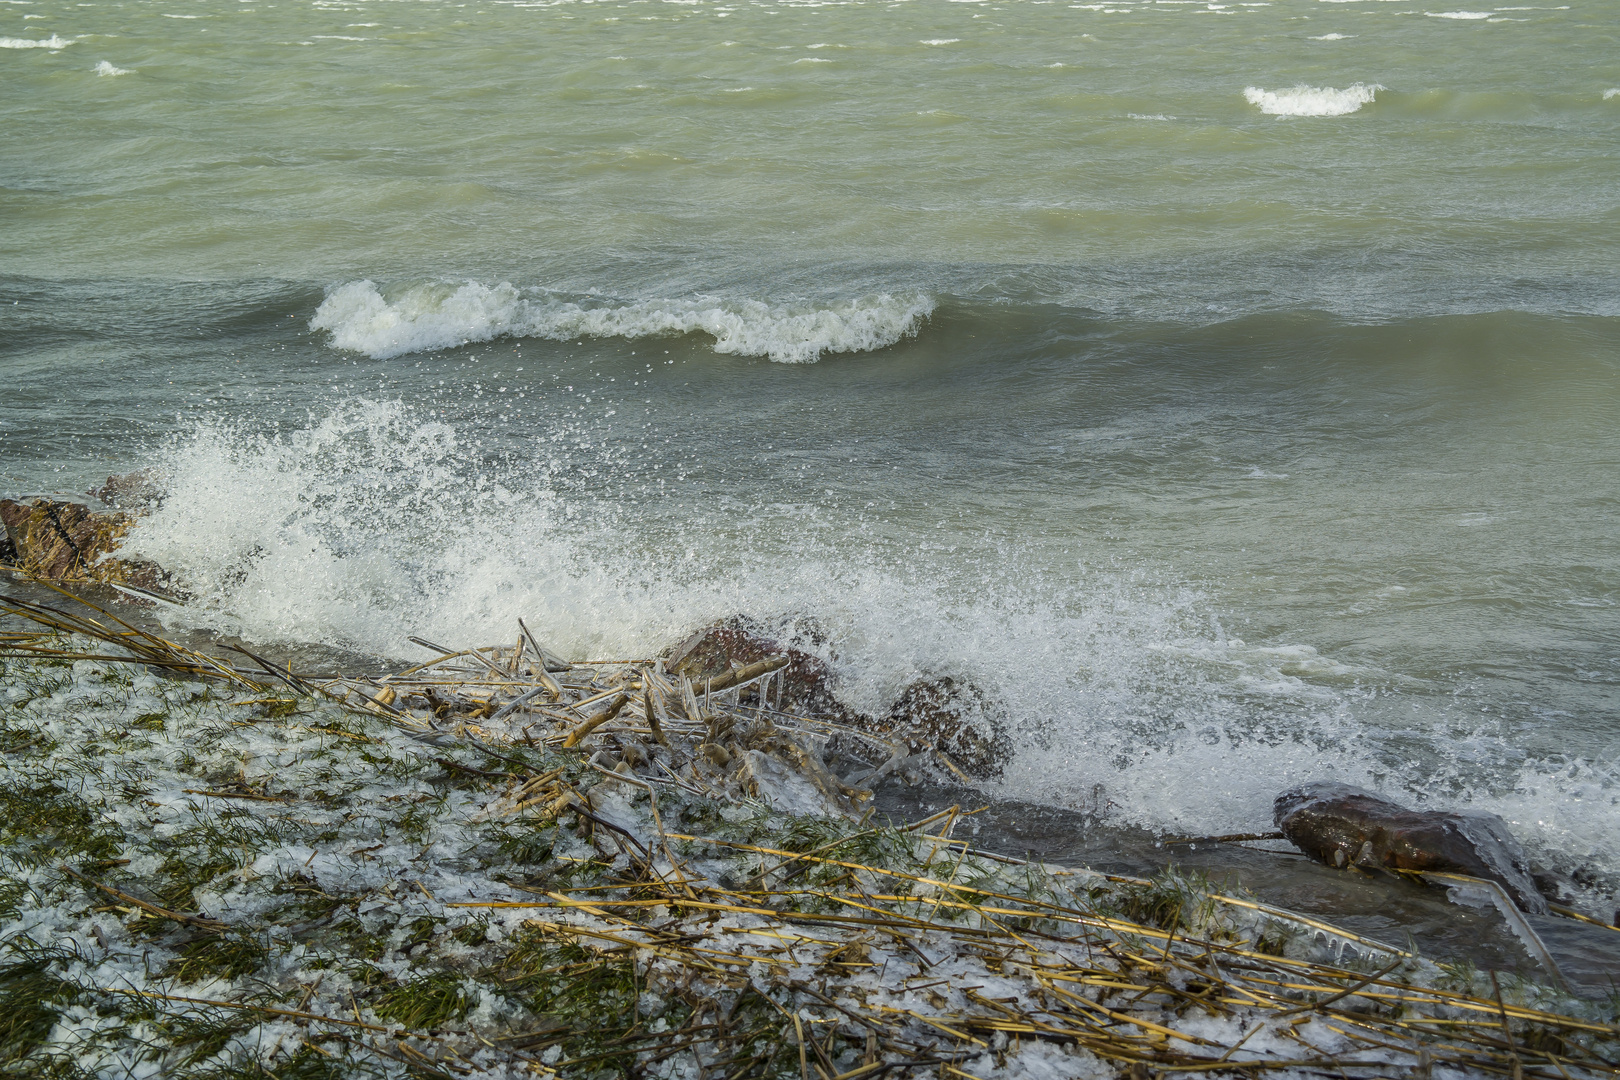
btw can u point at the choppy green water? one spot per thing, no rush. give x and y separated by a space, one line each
1230 389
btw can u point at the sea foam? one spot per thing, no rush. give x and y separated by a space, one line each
55 41
106 67
1311 100
365 319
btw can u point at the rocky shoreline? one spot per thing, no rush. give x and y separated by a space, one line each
936 725
385 873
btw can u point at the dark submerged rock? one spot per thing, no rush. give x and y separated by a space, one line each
1340 825
954 717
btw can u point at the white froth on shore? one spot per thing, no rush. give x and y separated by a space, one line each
363 318
1311 100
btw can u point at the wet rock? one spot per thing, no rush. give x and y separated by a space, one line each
802 685
68 542
1342 826
942 712
954 717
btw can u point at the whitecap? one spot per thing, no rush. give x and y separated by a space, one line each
1311 100
812 60
1148 116
438 316
1332 37
52 42
107 68
1458 14
940 41
1611 93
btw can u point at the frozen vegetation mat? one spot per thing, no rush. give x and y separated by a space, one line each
502 865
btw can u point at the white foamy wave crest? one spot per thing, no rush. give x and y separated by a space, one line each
106 68
52 42
1311 100
363 318
1611 93
1458 14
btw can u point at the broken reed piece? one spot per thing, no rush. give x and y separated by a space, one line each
549 661
650 707
213 926
689 703
596 721
1229 838
746 673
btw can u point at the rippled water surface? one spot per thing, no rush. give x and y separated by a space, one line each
1230 390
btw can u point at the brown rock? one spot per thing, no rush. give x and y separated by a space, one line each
804 682
954 717
1341 826
68 542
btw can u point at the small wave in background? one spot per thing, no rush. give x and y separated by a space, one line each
422 317
53 42
1312 100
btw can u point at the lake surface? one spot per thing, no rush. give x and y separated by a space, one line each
1231 391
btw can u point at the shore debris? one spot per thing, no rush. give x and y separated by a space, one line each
478 867
1339 825
935 719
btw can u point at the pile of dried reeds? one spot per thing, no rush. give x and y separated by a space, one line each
841 951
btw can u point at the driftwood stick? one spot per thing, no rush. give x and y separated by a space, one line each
1229 838
200 922
596 721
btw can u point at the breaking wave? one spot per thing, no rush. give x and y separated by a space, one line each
377 521
363 318
53 42
1311 100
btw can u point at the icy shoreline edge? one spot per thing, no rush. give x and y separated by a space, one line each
266 882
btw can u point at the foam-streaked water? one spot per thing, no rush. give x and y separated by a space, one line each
1230 390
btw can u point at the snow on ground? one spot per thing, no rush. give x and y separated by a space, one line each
197 882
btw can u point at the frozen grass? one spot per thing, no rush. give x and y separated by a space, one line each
274 885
